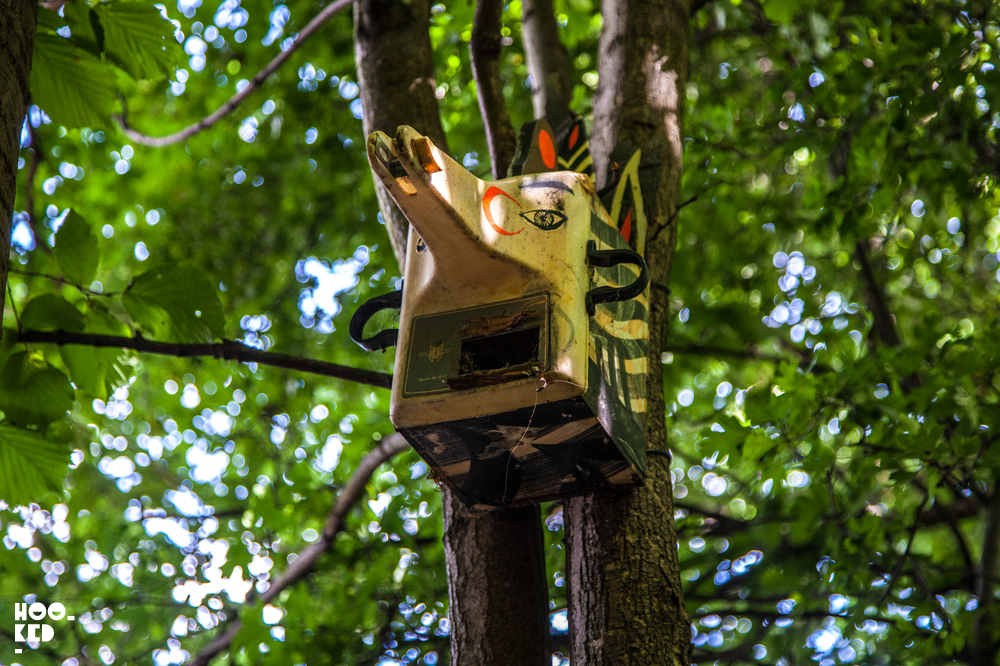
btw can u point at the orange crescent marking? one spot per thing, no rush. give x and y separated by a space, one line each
547 150
487 200
574 135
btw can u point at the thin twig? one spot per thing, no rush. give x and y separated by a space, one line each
762 613
906 553
385 631
303 565
58 279
723 525
234 101
13 308
673 216
484 53
229 350
697 196
884 324
751 352
931 597
956 529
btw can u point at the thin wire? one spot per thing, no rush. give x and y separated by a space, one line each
506 477
545 384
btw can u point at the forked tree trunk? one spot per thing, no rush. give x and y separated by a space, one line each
17 25
626 605
496 562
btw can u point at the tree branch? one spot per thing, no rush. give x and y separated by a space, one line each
548 66
717 523
764 614
348 496
484 53
752 352
688 202
229 350
58 279
884 324
961 508
237 99
906 554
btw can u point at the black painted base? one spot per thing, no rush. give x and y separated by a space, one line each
526 456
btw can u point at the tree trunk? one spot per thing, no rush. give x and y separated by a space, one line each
625 599
496 562
496 586
392 52
548 66
17 25
984 644
484 56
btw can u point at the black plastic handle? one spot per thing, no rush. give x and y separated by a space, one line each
607 258
383 339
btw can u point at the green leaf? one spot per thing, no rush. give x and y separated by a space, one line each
253 628
137 38
86 369
30 466
84 28
757 445
70 84
33 393
781 11
99 371
176 302
50 312
76 250
50 20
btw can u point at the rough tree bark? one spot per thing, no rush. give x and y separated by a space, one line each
548 66
392 52
984 637
496 562
17 24
625 600
484 55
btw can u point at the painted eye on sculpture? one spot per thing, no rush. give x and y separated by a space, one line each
546 220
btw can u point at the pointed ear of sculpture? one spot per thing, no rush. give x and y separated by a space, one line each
541 149
574 149
536 150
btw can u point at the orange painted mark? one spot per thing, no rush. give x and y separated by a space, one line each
547 150
574 136
487 200
627 226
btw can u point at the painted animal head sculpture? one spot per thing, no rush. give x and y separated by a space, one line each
521 365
